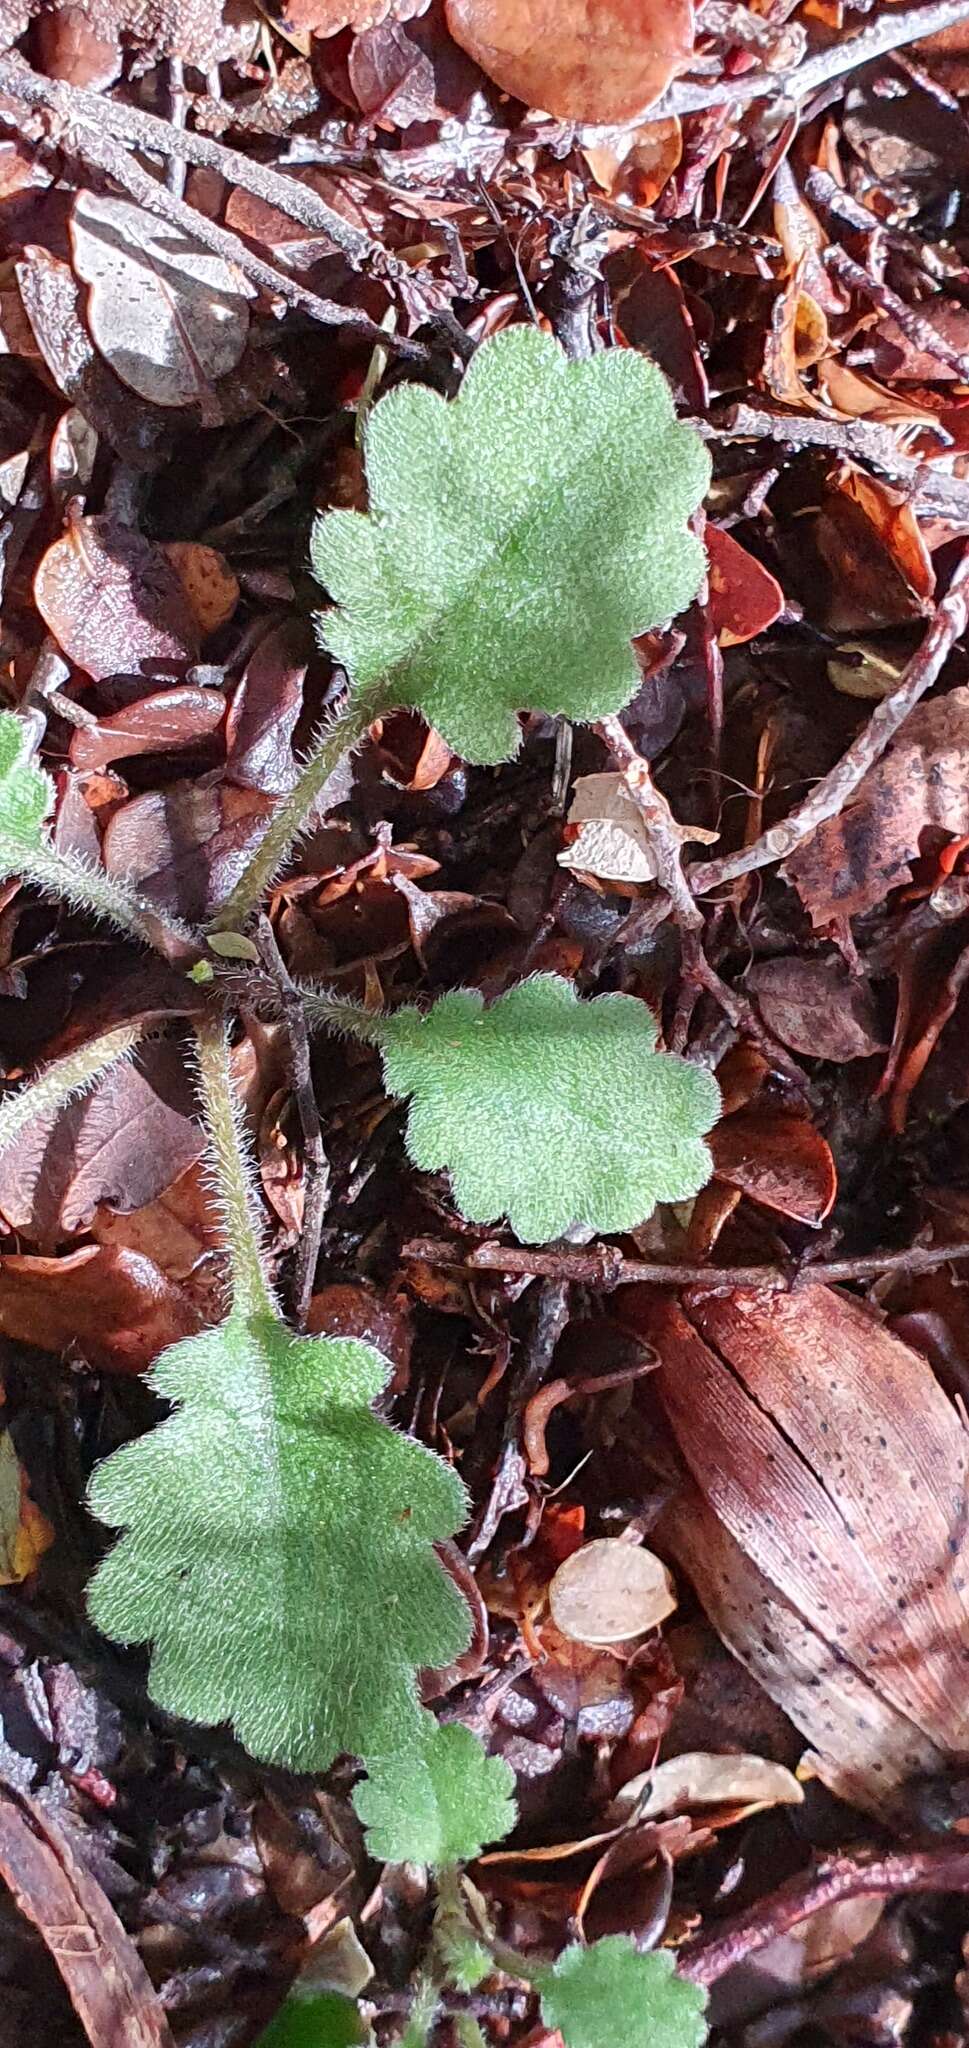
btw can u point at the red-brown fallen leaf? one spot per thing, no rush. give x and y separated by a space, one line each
817 1007
263 713
778 1160
827 1535
113 601
114 1308
880 568
744 597
599 61
853 860
52 301
184 717
109 1987
186 845
122 1144
207 580
328 17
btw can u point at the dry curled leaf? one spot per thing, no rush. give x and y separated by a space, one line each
598 61
25 1533
609 836
825 1530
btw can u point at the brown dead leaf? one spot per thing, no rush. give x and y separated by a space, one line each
112 1307
25 1533
109 1987
113 601
328 17
778 1160
52 301
744 598
853 860
159 724
168 315
880 568
817 1007
207 580
827 1535
598 61
122 1144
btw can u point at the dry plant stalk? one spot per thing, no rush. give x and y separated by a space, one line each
825 1529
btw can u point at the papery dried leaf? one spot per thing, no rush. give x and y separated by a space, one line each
113 601
168 315
702 1778
853 860
833 1550
599 61
609 1591
159 724
52 301
207 580
880 568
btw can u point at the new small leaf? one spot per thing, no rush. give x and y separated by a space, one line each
26 793
440 1806
277 1546
612 1992
548 1110
519 537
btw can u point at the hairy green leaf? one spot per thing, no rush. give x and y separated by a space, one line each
440 1806
612 1992
277 1546
26 793
518 538
548 1110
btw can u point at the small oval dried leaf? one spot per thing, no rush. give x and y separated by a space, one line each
207 580
113 602
599 61
25 1533
610 1591
701 1778
168 315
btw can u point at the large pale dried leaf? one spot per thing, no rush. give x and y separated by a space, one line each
835 1469
609 1591
168 315
113 602
599 61
850 863
52 300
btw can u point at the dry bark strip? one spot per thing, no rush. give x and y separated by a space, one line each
106 1980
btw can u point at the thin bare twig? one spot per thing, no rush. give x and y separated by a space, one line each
891 30
863 440
709 1956
316 1172
832 793
919 331
603 1266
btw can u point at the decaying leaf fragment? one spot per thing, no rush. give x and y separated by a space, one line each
584 60
826 1531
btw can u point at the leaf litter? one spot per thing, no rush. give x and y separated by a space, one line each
359 197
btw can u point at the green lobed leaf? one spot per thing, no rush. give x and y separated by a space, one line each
277 1546
440 1806
548 1110
26 793
519 537
612 1992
